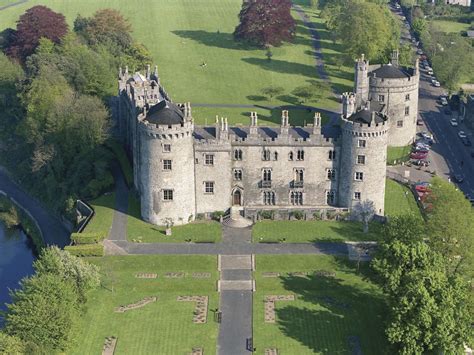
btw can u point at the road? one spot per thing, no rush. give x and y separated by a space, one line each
448 155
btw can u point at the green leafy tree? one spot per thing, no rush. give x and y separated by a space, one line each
11 345
406 55
306 93
272 91
419 26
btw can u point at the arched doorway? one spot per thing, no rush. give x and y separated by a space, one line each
237 198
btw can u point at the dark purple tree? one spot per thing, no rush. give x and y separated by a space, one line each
37 22
265 22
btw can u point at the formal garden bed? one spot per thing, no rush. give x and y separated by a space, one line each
156 321
333 309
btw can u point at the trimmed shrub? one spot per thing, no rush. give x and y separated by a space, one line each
86 249
297 215
87 238
216 215
200 217
266 214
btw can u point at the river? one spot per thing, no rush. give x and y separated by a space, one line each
16 261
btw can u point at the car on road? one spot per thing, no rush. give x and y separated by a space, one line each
466 141
458 178
453 122
436 83
421 162
443 101
425 135
462 134
419 52
424 141
420 122
430 72
418 155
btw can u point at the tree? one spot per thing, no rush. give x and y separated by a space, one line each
83 275
419 26
11 345
265 22
272 91
37 22
364 212
43 311
406 55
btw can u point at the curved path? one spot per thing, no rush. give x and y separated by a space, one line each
4 7
54 232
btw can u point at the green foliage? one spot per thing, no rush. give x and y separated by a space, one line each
86 249
266 214
298 215
406 55
419 26
120 154
87 238
99 185
216 215
272 91
43 311
8 213
11 344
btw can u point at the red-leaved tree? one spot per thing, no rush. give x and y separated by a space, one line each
265 22
37 22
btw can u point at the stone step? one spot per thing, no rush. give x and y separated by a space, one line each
234 285
237 222
235 262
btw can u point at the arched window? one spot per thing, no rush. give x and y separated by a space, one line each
269 198
331 174
296 198
267 175
300 155
332 155
237 154
330 197
299 175
290 156
275 156
266 154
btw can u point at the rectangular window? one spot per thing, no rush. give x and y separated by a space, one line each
361 159
209 159
407 97
357 196
237 174
296 198
267 175
300 155
361 143
331 174
167 164
330 197
359 176
400 123
166 148
168 195
332 155
381 98
407 110
269 198
209 187
237 154
266 154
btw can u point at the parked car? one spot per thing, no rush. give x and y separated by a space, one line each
421 162
430 71
462 134
419 155
443 101
437 83
419 52
466 141
425 141
458 178
422 186
420 122
421 147
425 135
453 122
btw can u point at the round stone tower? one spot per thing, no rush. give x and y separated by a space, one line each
363 159
165 164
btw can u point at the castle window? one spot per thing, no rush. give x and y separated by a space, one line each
267 175
359 176
381 98
330 197
300 155
299 175
209 159
209 187
290 156
407 110
296 198
166 148
237 174
237 154
361 143
167 164
357 196
268 198
167 195
331 174
275 156
400 123
332 155
361 159
266 154
407 97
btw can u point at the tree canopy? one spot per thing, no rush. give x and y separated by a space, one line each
265 22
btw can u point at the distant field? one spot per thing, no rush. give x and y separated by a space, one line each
182 34
450 26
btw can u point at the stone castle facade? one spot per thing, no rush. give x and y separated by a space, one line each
182 170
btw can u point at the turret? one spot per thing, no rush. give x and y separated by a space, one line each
361 81
348 104
394 59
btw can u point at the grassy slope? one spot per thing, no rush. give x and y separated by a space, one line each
450 26
311 324
104 208
163 327
140 231
398 154
399 200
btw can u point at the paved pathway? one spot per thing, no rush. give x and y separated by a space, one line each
54 232
119 224
4 7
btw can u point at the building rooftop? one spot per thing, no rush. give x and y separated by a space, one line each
389 71
165 113
364 115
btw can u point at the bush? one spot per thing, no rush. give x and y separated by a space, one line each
297 215
200 217
87 238
317 215
266 214
216 215
86 249
331 214
98 186
123 160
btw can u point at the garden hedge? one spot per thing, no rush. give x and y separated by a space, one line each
86 249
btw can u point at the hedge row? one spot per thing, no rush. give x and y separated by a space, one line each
86 249
87 238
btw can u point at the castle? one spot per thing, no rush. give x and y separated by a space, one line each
182 170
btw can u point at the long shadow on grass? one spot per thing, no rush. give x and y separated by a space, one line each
341 317
282 66
213 39
353 231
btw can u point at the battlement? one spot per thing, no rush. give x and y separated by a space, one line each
173 131
361 129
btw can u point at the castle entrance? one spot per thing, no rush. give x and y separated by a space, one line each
237 198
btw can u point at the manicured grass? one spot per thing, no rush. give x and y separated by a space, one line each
399 200
162 327
313 231
140 231
182 34
450 26
396 155
326 312
104 208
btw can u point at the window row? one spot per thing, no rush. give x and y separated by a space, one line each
382 98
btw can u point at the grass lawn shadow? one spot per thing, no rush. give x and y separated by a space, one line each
282 66
213 39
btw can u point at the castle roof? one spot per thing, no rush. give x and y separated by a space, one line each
165 113
389 71
364 115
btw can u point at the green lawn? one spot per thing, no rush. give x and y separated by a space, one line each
327 313
181 34
313 231
140 231
104 208
163 327
450 26
395 155
399 200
